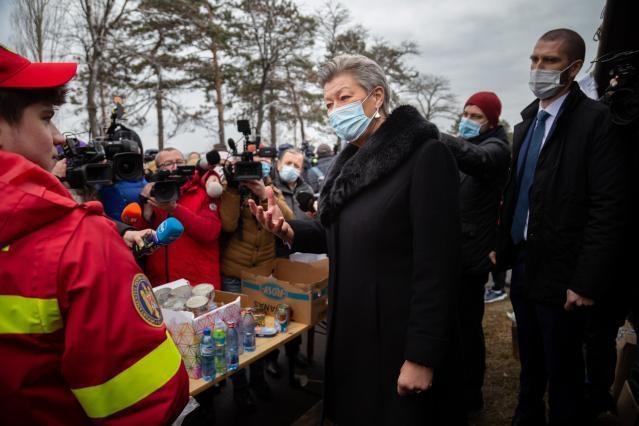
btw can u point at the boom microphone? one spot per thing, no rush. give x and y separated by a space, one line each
132 214
168 231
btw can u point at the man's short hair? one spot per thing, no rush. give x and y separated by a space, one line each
290 151
574 44
157 156
13 102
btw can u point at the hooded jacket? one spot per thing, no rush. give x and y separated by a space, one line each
194 256
81 334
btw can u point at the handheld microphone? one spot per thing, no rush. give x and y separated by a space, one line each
132 214
168 231
306 200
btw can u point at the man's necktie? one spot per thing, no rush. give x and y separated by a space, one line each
527 176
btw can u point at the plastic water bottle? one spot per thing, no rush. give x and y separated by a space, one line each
207 356
248 332
219 337
232 340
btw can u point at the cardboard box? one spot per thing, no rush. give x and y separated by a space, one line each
627 408
187 331
626 355
302 286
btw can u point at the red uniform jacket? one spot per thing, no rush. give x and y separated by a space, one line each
81 337
194 256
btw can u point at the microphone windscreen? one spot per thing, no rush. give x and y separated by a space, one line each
213 158
305 200
168 231
231 143
131 214
210 160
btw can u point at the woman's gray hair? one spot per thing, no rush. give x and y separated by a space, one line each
367 72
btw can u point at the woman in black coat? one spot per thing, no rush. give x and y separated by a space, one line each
389 221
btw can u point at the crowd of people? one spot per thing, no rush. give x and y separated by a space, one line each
413 221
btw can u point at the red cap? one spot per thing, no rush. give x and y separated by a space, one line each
17 72
488 103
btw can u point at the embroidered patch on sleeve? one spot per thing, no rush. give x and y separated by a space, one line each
145 302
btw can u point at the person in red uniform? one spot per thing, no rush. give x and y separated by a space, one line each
194 256
81 337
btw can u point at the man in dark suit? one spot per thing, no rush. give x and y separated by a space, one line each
560 228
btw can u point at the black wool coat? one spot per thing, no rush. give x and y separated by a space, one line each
483 169
577 203
389 221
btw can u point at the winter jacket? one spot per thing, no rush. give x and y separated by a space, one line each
81 334
194 256
483 163
577 213
389 221
246 243
316 175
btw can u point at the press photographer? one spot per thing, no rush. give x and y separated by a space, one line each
182 193
247 243
123 149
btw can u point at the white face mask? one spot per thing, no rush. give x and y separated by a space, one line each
214 188
546 83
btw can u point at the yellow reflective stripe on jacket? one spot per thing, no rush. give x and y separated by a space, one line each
133 384
29 315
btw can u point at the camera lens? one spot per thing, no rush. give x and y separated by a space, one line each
166 191
128 166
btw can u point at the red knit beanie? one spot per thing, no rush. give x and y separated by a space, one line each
488 103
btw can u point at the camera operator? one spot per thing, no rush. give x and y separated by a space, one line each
483 156
247 245
130 235
128 178
195 256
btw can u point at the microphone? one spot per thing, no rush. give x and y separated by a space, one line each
306 200
232 145
211 159
132 214
168 231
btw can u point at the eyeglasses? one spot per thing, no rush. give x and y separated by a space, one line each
168 164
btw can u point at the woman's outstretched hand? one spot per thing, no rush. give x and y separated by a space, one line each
272 219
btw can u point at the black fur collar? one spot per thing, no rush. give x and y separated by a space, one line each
388 148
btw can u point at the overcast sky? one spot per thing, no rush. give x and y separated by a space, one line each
478 45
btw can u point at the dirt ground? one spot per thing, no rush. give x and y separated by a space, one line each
502 369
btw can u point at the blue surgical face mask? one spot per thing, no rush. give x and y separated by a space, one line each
289 174
266 169
468 128
350 121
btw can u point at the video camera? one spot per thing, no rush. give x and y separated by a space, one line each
116 156
168 183
86 163
247 168
622 96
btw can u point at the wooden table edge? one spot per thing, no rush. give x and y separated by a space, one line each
197 386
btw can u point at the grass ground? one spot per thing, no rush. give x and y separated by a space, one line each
502 369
